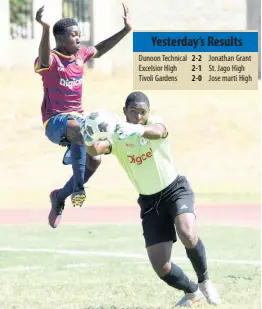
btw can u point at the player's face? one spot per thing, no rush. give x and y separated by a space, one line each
137 113
71 40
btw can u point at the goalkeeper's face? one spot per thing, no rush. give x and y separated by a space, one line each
137 112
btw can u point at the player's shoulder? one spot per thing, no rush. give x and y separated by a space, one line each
54 57
83 48
58 57
86 50
153 119
157 119
54 53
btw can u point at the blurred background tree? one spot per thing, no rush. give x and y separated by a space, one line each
21 18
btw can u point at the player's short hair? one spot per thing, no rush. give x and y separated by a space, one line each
61 25
136 97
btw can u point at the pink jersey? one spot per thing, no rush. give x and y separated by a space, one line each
62 82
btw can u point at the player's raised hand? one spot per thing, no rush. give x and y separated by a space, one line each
127 18
39 18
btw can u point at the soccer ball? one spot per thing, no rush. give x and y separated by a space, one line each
100 125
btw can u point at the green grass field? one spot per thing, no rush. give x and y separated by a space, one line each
105 266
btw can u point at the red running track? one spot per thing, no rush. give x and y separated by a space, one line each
233 215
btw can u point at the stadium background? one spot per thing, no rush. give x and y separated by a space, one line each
215 134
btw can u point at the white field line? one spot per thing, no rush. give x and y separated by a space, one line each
84 265
21 268
119 255
71 266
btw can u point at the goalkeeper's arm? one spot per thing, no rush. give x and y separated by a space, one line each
99 147
155 131
151 131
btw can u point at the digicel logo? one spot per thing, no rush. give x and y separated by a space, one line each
139 160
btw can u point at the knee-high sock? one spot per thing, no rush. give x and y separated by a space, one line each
197 256
178 280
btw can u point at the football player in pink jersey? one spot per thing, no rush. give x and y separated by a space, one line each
62 70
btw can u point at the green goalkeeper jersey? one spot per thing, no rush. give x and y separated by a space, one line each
148 163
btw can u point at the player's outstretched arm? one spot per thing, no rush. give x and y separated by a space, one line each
98 148
104 46
151 131
154 131
44 47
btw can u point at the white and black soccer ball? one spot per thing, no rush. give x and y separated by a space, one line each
100 125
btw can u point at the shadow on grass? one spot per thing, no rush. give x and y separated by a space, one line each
240 277
114 307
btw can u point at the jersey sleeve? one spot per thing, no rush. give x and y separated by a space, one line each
44 71
114 142
87 53
156 120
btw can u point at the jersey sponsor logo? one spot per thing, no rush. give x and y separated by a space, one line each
143 141
129 145
61 69
70 83
140 159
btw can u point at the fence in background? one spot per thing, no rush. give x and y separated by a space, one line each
79 10
21 19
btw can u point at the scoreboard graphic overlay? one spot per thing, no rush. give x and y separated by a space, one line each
171 60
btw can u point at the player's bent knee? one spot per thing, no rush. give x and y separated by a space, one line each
186 229
187 236
162 270
73 133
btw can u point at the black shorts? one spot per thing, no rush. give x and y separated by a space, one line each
158 211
